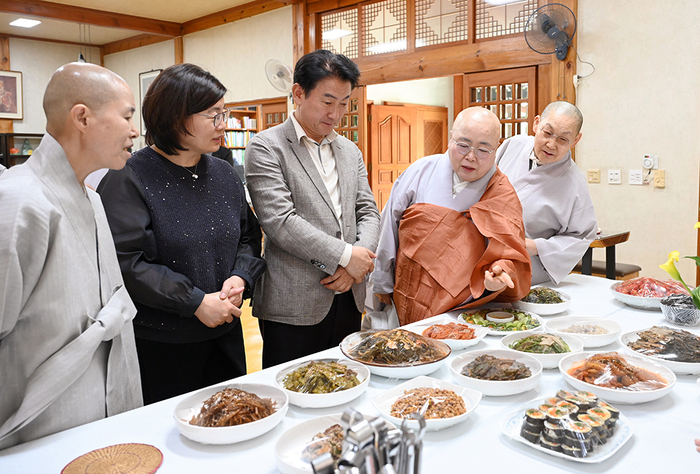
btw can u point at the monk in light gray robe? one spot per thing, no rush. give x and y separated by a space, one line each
67 352
559 218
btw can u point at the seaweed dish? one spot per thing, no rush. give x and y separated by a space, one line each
397 347
541 344
321 377
230 407
522 321
488 367
611 370
669 344
570 423
543 295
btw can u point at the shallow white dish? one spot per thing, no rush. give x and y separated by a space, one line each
494 332
191 406
455 344
677 367
384 401
548 361
511 424
620 396
320 400
639 302
289 449
395 371
545 309
557 325
497 388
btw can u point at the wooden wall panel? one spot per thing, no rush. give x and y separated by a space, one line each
5 125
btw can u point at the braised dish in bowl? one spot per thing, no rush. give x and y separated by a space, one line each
396 353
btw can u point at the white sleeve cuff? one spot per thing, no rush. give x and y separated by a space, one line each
347 254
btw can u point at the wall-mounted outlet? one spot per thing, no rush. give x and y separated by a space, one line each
594 176
614 177
636 177
659 178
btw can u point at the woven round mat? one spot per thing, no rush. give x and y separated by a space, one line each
130 458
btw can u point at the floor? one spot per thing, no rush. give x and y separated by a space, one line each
252 339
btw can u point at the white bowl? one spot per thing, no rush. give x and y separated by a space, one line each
545 309
639 302
677 367
497 388
384 401
612 395
494 332
320 400
548 361
455 344
396 371
557 325
191 406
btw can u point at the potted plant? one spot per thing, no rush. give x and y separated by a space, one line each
681 309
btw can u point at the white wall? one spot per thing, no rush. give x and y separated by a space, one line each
129 64
236 53
644 98
37 61
437 91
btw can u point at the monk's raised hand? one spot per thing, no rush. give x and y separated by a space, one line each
497 279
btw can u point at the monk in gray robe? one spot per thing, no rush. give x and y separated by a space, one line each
452 233
67 352
560 221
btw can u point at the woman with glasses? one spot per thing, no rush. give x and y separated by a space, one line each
451 233
187 241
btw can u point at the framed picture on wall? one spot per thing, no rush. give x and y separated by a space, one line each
11 95
145 79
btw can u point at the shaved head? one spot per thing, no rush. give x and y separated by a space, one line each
78 83
565 109
485 118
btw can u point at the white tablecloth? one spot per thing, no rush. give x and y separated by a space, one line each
662 441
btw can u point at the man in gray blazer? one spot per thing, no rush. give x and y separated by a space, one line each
310 192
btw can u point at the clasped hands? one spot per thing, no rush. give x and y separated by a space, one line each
221 307
360 265
496 279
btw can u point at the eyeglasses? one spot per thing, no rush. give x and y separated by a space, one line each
218 118
465 148
558 139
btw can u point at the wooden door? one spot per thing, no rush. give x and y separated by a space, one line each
510 94
274 114
393 146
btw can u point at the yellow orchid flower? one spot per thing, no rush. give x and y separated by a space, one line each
670 268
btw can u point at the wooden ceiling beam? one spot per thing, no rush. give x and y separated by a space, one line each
89 16
232 14
132 43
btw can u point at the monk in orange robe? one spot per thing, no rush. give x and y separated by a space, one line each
452 233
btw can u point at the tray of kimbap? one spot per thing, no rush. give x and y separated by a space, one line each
572 425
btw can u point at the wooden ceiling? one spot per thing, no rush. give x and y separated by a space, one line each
116 22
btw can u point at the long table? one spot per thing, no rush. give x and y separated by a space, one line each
664 429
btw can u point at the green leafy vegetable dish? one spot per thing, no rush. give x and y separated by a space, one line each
542 295
522 321
321 377
541 344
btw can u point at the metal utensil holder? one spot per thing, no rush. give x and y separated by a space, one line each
370 446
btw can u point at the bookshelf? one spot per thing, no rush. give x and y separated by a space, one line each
248 118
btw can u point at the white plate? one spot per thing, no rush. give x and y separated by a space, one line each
545 309
497 388
320 400
556 326
639 302
395 371
494 332
455 344
624 429
677 367
620 396
548 361
289 449
384 401
191 406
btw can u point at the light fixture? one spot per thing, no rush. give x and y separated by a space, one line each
334 34
85 41
25 23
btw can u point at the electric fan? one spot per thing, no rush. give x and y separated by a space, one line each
550 29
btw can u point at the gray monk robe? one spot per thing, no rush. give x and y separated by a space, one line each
557 208
67 352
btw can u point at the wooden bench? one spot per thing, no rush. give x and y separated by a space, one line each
623 271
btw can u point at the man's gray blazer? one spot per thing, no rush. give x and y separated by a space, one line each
302 234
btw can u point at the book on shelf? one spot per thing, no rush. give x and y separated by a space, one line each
242 123
237 139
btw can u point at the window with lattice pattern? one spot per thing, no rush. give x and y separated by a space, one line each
508 101
441 21
384 27
340 32
499 20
